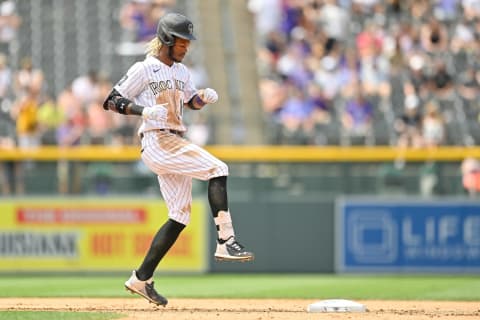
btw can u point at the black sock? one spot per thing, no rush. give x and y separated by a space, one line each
217 195
161 243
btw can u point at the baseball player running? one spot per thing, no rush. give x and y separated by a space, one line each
157 89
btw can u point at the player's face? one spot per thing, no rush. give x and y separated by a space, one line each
180 49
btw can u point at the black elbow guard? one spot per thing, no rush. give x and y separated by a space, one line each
118 102
110 99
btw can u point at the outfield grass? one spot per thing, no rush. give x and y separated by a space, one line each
306 286
56 315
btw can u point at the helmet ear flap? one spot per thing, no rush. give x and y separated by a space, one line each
165 37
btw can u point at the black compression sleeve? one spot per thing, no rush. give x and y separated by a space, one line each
161 243
136 109
217 195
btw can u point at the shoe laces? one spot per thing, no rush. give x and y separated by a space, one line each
234 244
150 287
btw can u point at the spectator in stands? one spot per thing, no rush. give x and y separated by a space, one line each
418 11
294 116
357 118
329 77
5 79
24 112
292 63
442 82
333 20
50 117
321 110
471 9
132 13
107 128
406 36
469 88
349 71
416 76
463 37
320 119
434 36
292 16
99 128
418 43
374 75
409 125
273 93
374 71
99 132
395 10
140 17
28 80
269 53
86 87
70 132
445 10
369 41
364 6
10 21
470 169
433 126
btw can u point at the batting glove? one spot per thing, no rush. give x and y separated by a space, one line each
158 112
209 95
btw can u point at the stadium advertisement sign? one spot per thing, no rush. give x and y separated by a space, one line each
407 236
93 235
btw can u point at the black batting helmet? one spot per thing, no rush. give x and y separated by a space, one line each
174 25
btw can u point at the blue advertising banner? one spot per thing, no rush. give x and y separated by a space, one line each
408 235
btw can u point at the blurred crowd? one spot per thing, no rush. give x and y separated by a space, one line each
30 116
397 72
335 72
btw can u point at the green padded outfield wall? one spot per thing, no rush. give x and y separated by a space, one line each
286 236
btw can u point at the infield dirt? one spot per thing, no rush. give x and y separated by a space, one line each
243 309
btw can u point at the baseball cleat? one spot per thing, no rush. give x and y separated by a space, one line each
231 250
145 289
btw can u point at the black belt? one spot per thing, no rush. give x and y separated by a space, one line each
176 132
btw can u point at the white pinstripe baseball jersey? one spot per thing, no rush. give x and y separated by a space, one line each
150 82
174 159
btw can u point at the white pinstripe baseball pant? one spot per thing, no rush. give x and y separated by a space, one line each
176 161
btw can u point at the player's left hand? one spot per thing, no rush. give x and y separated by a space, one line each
157 112
208 95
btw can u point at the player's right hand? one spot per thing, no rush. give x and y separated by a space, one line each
157 112
208 95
